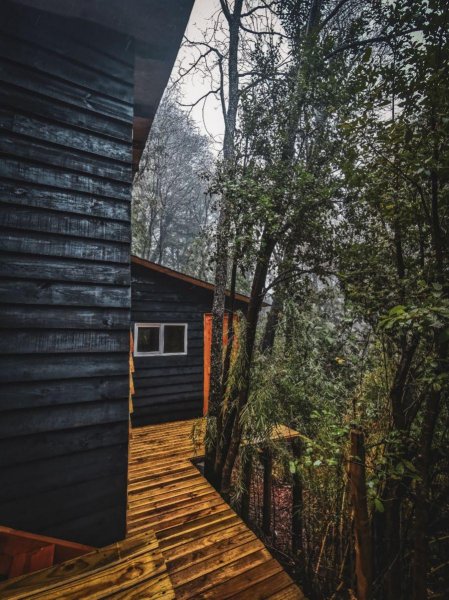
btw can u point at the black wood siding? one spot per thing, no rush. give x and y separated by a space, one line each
66 113
169 388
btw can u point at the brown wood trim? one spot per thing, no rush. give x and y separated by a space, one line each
187 278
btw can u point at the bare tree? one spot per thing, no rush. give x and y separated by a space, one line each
172 209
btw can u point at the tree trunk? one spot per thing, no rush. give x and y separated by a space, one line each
230 332
267 507
433 405
390 544
216 364
297 509
272 323
246 495
265 251
421 545
362 527
221 256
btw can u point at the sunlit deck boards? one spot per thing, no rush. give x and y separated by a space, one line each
133 568
209 551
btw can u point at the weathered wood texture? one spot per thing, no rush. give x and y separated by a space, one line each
132 568
183 540
66 111
169 387
209 551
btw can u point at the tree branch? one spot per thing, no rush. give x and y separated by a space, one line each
292 273
266 5
332 14
226 11
357 44
203 97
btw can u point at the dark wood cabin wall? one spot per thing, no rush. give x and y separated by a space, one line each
66 109
169 388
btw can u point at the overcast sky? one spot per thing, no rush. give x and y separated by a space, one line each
210 118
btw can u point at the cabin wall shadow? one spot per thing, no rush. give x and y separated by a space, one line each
66 111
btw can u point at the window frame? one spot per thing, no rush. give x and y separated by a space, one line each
161 327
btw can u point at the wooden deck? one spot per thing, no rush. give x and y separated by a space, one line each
208 550
183 540
131 569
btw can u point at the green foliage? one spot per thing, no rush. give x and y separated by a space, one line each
342 159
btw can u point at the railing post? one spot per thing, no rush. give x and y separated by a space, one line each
246 494
267 461
297 502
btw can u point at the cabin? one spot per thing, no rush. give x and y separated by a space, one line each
171 326
80 85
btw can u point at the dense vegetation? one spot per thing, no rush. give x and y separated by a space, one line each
333 201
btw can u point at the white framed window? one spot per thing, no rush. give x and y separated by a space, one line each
160 339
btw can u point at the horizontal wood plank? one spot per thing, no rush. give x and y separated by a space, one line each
69 137
54 245
39 367
56 443
62 340
46 317
32 219
68 112
18 146
58 67
44 268
62 294
22 194
55 418
47 175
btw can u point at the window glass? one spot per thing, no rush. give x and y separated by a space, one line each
148 339
174 339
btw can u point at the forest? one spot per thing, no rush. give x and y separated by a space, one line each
328 199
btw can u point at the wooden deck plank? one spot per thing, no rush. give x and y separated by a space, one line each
204 570
195 588
169 502
209 551
168 491
208 538
292 592
161 523
196 526
131 568
166 500
252 584
270 585
190 536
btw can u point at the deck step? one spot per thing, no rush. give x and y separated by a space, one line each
132 568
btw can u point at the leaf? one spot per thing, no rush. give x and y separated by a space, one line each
367 54
410 466
378 505
317 463
397 310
